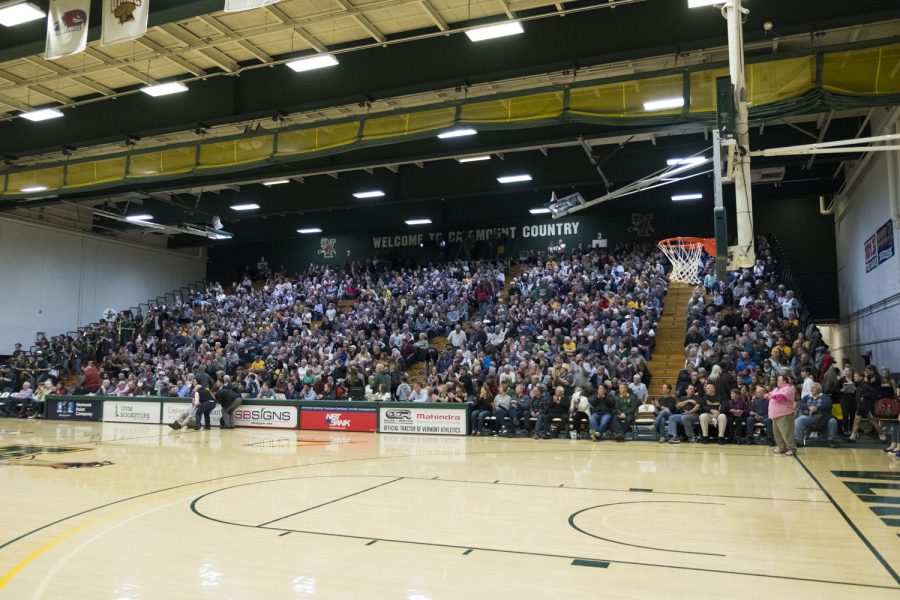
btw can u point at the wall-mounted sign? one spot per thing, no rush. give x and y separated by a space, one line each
884 237
544 230
879 247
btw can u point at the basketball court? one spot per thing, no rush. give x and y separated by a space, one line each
253 513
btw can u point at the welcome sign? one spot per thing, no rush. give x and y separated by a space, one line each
550 231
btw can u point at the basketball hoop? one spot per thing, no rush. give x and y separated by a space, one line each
684 254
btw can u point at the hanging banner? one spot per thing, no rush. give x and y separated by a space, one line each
124 20
239 5
884 238
67 27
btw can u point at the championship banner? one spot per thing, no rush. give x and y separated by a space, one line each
239 5
67 27
124 20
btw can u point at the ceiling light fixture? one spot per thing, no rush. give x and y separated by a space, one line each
310 230
514 178
310 63
139 218
164 89
20 12
539 211
469 159
693 160
418 222
44 114
369 194
34 188
276 182
455 133
683 197
701 3
249 206
664 104
489 32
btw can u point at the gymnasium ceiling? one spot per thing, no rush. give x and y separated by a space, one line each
393 54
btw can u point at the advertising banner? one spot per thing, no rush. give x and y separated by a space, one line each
884 238
871 250
353 418
75 410
267 415
173 410
436 421
128 411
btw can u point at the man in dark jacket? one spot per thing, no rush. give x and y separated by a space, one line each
815 415
602 407
558 408
713 411
626 404
230 400
759 413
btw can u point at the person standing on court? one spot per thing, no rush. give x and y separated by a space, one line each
230 400
781 411
205 404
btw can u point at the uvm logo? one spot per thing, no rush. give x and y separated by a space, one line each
641 224
870 487
335 420
327 247
24 451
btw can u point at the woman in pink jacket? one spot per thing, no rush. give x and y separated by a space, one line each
781 411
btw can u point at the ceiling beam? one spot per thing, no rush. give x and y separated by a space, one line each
506 9
361 19
184 36
126 69
233 35
38 89
434 15
158 48
80 79
14 103
304 35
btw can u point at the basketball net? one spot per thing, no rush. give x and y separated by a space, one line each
684 254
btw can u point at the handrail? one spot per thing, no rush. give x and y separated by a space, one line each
192 289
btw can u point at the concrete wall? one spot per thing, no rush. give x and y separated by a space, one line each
870 300
56 281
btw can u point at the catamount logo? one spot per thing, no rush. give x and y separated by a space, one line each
123 10
403 414
327 247
641 224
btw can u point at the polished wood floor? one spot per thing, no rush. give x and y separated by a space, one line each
274 514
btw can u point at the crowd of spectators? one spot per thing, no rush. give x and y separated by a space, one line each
572 321
280 336
563 346
750 362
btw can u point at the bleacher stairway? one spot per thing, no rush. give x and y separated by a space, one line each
668 355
